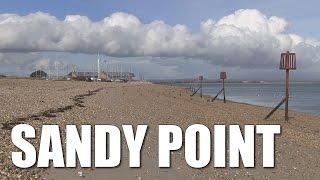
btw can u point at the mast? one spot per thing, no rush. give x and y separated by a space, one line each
98 65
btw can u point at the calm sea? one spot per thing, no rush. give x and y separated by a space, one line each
304 97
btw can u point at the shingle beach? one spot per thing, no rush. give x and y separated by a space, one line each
38 102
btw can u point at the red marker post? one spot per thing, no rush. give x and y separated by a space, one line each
223 76
288 62
200 88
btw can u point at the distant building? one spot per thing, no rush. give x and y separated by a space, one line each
38 74
105 76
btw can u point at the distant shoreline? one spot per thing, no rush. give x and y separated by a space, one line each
251 100
182 81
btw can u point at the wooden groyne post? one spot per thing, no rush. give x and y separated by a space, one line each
223 76
287 62
200 79
200 87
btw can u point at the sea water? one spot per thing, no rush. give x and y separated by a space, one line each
304 97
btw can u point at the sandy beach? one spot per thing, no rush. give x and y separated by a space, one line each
38 102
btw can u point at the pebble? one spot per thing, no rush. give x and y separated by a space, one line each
20 99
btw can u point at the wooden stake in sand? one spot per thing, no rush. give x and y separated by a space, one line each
223 76
287 62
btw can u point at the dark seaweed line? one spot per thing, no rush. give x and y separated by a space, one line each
78 102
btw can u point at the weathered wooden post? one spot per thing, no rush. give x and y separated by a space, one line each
200 79
287 62
200 87
223 76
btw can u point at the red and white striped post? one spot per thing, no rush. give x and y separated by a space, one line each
288 62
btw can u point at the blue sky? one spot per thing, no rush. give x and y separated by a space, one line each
302 17
305 15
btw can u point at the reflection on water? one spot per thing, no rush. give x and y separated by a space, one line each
304 97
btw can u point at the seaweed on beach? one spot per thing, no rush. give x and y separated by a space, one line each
9 125
51 113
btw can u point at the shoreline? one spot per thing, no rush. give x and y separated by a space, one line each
269 107
125 103
257 103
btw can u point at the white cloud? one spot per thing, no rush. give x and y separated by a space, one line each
244 39
50 64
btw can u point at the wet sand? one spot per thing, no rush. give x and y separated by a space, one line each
38 102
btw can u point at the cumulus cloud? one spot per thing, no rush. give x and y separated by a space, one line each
244 39
50 64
